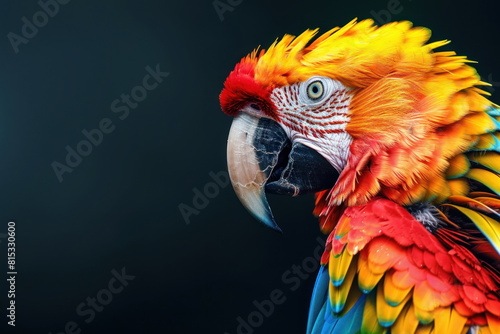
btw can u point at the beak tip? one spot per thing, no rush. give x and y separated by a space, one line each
271 223
278 229
264 214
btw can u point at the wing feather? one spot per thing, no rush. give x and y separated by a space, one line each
413 281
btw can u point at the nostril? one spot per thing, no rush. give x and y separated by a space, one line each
255 106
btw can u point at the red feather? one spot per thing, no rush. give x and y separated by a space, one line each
241 88
390 240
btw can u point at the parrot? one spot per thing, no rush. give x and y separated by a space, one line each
401 148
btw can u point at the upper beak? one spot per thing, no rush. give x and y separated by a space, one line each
262 158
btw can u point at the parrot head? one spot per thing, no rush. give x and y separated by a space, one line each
358 112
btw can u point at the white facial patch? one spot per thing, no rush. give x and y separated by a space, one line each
314 113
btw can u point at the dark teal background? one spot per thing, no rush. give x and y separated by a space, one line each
120 206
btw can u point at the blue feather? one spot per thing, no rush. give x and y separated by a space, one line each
322 319
493 111
319 298
350 323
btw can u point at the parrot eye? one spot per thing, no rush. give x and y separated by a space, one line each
315 90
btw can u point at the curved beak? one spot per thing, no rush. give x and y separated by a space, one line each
261 158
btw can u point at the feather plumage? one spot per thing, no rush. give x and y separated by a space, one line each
429 163
400 263
423 133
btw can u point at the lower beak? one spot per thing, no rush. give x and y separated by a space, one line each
261 158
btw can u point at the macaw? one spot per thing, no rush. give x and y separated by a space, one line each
402 151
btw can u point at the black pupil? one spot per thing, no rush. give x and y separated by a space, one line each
315 89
